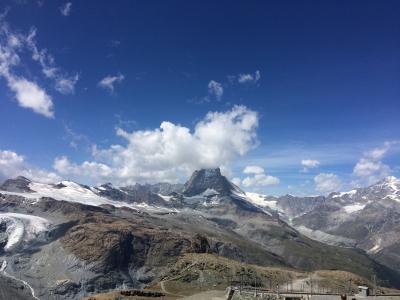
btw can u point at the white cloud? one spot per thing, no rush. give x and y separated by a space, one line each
327 182
172 152
379 152
260 180
249 78
13 165
309 164
27 93
237 181
30 95
253 170
370 168
66 9
215 88
93 169
109 81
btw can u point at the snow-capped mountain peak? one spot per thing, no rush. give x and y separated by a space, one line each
74 192
391 182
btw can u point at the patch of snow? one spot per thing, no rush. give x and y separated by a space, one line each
326 238
349 193
33 197
393 184
14 231
353 208
393 197
22 227
245 197
214 201
391 180
3 266
260 200
166 198
377 247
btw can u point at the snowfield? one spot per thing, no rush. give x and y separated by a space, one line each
377 247
260 200
73 192
326 238
22 228
353 208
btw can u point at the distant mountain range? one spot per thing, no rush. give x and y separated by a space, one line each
367 218
68 239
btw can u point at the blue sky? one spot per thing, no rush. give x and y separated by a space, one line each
304 95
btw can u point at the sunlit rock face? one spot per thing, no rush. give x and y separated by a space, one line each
204 179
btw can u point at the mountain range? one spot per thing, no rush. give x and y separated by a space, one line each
68 239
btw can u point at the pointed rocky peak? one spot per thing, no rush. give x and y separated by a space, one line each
207 179
23 179
59 185
388 187
389 184
19 184
106 186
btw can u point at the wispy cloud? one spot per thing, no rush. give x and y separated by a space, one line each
64 83
215 89
249 78
370 167
75 139
123 123
115 43
309 164
66 8
109 81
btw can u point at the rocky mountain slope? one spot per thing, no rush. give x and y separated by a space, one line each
69 239
369 216
366 218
